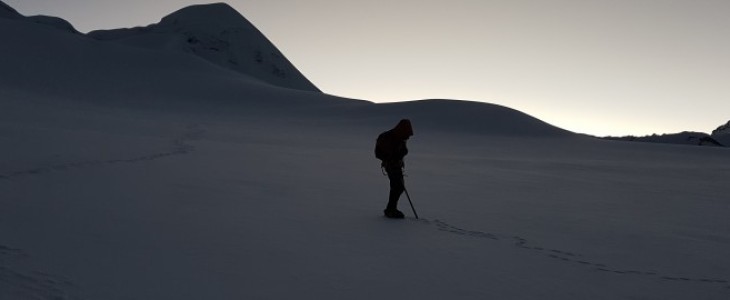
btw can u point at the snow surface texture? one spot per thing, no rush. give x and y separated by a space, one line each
135 173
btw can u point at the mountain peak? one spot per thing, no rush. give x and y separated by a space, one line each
215 14
219 34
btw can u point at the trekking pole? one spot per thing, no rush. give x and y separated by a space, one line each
409 200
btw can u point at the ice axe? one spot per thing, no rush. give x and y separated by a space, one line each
409 199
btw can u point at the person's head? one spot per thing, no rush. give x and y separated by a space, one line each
403 130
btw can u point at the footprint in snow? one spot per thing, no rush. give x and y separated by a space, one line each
569 257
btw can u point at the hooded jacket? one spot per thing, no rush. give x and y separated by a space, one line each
391 144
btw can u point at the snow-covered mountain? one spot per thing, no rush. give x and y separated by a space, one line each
131 169
154 67
52 61
219 34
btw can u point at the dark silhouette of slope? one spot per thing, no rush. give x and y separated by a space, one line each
455 116
8 12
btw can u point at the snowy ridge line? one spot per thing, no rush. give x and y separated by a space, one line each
569 257
180 147
31 284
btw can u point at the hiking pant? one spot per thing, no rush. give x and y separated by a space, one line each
395 174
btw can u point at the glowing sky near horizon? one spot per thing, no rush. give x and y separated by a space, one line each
599 67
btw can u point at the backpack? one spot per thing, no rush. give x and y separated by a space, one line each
380 151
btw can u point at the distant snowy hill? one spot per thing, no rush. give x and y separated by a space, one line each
720 137
682 138
219 34
462 117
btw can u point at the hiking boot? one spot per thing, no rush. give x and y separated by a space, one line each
393 214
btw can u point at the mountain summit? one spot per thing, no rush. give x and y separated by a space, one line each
220 35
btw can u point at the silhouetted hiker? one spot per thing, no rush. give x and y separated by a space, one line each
390 148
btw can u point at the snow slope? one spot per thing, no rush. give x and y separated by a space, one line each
218 34
110 203
134 173
57 63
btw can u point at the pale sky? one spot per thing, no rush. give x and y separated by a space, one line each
612 67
